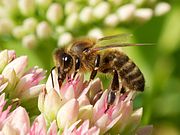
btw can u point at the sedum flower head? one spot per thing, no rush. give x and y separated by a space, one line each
77 110
17 82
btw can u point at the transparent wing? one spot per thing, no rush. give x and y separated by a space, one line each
120 45
115 39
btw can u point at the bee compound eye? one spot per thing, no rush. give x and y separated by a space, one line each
67 60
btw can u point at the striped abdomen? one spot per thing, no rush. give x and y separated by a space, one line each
130 74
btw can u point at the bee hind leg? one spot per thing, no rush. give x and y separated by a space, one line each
114 88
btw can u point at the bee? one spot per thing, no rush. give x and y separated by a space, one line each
101 55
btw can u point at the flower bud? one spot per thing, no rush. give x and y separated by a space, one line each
136 117
29 80
65 39
161 8
86 15
70 7
32 92
139 3
26 7
29 25
43 3
11 55
18 65
10 75
18 32
126 12
52 103
143 14
29 41
8 130
101 10
111 20
85 112
19 121
41 99
6 26
54 13
68 114
3 59
11 6
60 29
72 21
43 30
94 2
95 33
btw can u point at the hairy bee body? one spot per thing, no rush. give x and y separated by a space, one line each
130 75
110 59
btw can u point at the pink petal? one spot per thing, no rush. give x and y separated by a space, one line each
11 55
83 100
100 106
112 123
69 93
39 126
102 122
53 129
83 128
3 86
19 120
94 131
68 131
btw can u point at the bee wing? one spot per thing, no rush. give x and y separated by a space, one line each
114 39
120 45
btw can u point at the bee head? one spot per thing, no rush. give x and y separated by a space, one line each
63 62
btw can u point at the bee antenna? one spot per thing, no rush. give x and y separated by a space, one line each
52 75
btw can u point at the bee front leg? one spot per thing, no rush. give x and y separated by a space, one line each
52 79
114 88
96 66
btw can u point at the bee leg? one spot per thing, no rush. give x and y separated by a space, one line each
96 66
61 76
77 66
114 88
97 97
52 76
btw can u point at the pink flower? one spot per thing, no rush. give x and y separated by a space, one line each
18 122
15 81
3 113
83 129
79 110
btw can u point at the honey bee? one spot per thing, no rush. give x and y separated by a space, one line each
101 55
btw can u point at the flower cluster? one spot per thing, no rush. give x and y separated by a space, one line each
18 122
78 107
19 85
74 108
32 21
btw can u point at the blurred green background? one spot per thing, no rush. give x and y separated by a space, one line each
159 63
